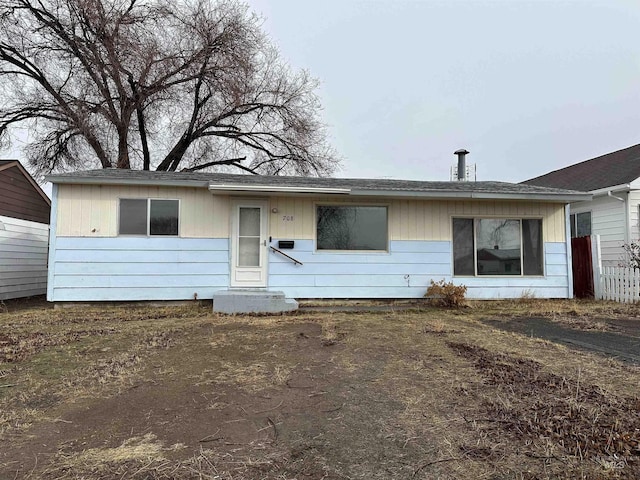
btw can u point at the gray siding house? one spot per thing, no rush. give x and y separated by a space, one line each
613 180
24 233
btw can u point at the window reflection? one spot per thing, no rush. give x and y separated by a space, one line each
498 246
351 228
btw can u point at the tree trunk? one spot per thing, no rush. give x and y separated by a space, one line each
173 158
123 149
146 157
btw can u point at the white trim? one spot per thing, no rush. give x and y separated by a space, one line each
454 195
53 228
567 238
263 269
275 189
624 187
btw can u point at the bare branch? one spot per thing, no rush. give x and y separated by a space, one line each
124 83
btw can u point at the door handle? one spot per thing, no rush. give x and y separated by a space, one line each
264 242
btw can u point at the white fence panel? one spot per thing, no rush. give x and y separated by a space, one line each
620 284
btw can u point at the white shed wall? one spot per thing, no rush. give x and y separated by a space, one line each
23 258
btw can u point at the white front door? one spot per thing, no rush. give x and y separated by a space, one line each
249 243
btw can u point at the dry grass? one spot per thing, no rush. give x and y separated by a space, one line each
423 393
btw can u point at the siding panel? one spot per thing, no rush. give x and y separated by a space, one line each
609 220
100 269
92 210
405 272
23 258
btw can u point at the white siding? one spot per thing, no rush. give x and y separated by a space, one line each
114 269
609 220
23 258
634 219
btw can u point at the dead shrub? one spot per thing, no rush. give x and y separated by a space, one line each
446 294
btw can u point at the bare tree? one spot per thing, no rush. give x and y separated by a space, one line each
155 84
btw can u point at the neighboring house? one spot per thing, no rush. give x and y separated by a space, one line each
139 235
24 233
614 181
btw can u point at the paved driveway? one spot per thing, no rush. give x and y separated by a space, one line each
623 344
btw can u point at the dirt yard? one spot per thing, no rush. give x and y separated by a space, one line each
427 393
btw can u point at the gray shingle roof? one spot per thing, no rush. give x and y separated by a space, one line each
616 168
357 186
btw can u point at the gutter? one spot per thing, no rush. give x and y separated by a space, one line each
120 181
625 187
609 194
226 188
546 197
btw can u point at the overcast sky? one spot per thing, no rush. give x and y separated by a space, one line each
526 86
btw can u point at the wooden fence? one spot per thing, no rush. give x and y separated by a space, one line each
619 284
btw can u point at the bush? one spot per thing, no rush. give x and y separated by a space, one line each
446 294
631 255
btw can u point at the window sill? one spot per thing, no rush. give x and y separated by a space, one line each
352 252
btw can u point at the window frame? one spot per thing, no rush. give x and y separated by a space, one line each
474 218
573 223
148 218
348 252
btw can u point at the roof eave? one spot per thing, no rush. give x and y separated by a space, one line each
308 190
625 187
27 175
545 197
125 181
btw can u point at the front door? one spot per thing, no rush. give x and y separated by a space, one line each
249 243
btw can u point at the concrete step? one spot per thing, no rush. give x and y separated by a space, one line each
252 301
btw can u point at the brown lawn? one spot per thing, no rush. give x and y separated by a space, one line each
178 392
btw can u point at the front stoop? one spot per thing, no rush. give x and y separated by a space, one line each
252 301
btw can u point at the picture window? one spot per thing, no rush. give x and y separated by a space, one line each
497 246
352 227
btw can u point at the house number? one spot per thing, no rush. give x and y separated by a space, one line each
287 218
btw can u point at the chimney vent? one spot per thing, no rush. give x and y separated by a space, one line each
462 166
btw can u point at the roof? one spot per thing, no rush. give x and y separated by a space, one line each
233 183
4 164
610 170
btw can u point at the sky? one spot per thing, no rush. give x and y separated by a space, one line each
526 86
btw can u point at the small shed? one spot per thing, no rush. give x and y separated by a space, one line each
24 233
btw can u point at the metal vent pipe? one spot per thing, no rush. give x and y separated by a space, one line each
462 164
